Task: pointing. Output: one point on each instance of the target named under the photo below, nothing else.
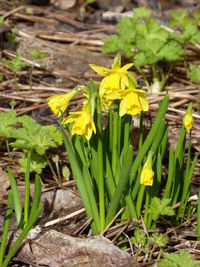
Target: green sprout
(36, 54)
(15, 65)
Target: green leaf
(16, 64)
(142, 12)
(159, 239)
(194, 73)
(178, 18)
(37, 164)
(16, 198)
(182, 259)
(37, 54)
(171, 52)
(160, 207)
(34, 136)
(142, 58)
(111, 44)
(7, 121)
(139, 238)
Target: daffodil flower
(115, 79)
(59, 103)
(188, 119)
(147, 173)
(83, 123)
(132, 101)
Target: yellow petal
(100, 70)
(126, 67)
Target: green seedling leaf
(16, 198)
(182, 259)
(194, 73)
(139, 238)
(160, 207)
(1, 77)
(142, 12)
(16, 64)
(37, 164)
(7, 121)
(178, 18)
(159, 239)
(38, 54)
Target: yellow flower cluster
(116, 84)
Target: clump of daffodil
(115, 79)
(83, 122)
(147, 173)
(132, 101)
(188, 119)
(59, 103)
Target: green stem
(114, 138)
(27, 190)
(100, 167)
(159, 254)
(144, 77)
(51, 168)
(147, 200)
(9, 152)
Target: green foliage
(159, 239)
(11, 36)
(154, 45)
(194, 73)
(32, 136)
(139, 238)
(182, 259)
(189, 26)
(142, 12)
(28, 135)
(7, 121)
(37, 54)
(160, 207)
(16, 64)
(24, 220)
(37, 164)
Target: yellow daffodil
(188, 119)
(83, 123)
(115, 79)
(59, 103)
(132, 101)
(147, 173)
